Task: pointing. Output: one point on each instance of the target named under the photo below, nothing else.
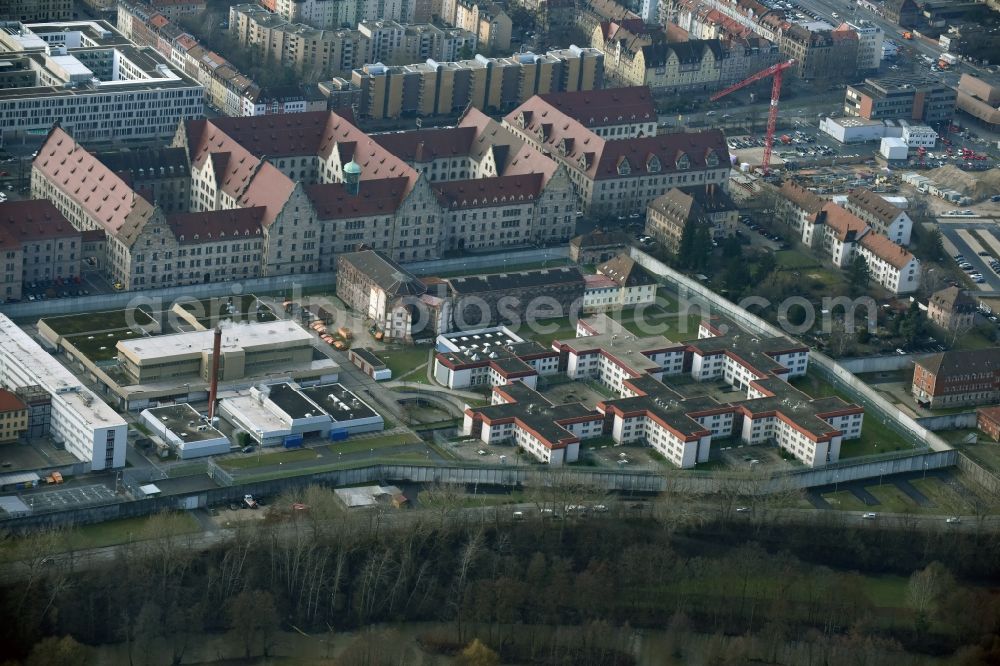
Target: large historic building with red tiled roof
(618, 176)
(37, 244)
(270, 196)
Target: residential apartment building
(870, 37)
(797, 208)
(78, 419)
(486, 20)
(668, 216)
(905, 97)
(883, 217)
(36, 11)
(394, 43)
(889, 264)
(620, 176)
(92, 81)
(283, 99)
(821, 55)
(174, 9)
(957, 378)
(433, 88)
(13, 417)
(634, 286)
(37, 244)
(952, 308)
(840, 234)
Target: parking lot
(69, 498)
(976, 249)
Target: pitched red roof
(846, 226)
(883, 248)
(375, 197)
(610, 106)
(429, 144)
(192, 228)
(483, 192)
(10, 402)
(32, 220)
(102, 194)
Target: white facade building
(81, 421)
(919, 136)
(892, 148)
(94, 82)
(870, 38)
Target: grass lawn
(986, 453)
(844, 500)
(942, 495)
(886, 591)
(101, 346)
(192, 469)
(792, 259)
(973, 340)
(252, 460)
(892, 499)
(98, 321)
(876, 436)
(366, 443)
(403, 359)
(135, 529)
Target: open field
(793, 259)
(403, 359)
(98, 321)
(251, 460)
(844, 500)
(101, 346)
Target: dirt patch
(978, 185)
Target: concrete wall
(616, 480)
(875, 405)
(948, 421)
(986, 479)
(286, 283)
(877, 363)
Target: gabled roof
(885, 249)
(873, 204)
(687, 53)
(801, 197)
(953, 299)
(626, 272)
(961, 363)
(846, 226)
(333, 201)
(102, 194)
(205, 226)
(427, 145)
(32, 220)
(609, 106)
(384, 272)
(485, 192)
(599, 238)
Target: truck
(947, 60)
(907, 35)
(249, 502)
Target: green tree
(765, 266)
(858, 275)
(736, 278)
(52, 651)
(930, 245)
(701, 246)
(466, 52)
(912, 324)
(478, 654)
(253, 619)
(732, 248)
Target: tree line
(570, 591)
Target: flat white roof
(235, 336)
(71, 65)
(50, 374)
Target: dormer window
(624, 168)
(653, 164)
(712, 159)
(683, 161)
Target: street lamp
(925, 469)
(836, 482)
(880, 473)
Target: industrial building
(186, 431)
(80, 421)
(284, 414)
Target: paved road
(213, 536)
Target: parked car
(953, 520)
(870, 515)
